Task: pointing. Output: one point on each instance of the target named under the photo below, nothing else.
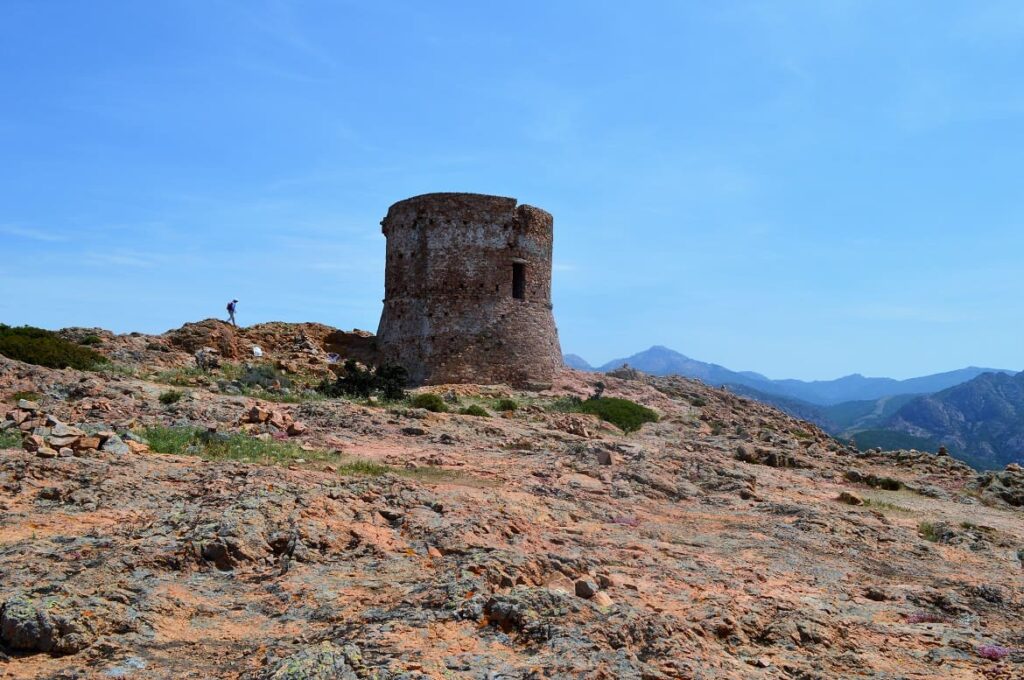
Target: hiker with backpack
(231, 312)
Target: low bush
(219, 446)
(45, 348)
(475, 410)
(885, 505)
(186, 375)
(191, 441)
(623, 413)
(506, 405)
(387, 380)
(429, 401)
(391, 381)
(363, 468)
(929, 531)
(565, 405)
(265, 376)
(171, 397)
(628, 416)
(28, 396)
(91, 340)
(10, 439)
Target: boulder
(52, 626)
(115, 445)
(88, 442)
(325, 661)
(586, 588)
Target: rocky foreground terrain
(727, 540)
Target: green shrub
(623, 413)
(388, 380)
(46, 348)
(391, 381)
(475, 410)
(91, 340)
(430, 401)
(363, 468)
(231, 370)
(565, 405)
(265, 376)
(186, 375)
(191, 441)
(928, 531)
(218, 446)
(10, 439)
(506, 405)
(699, 402)
(171, 397)
(28, 396)
(885, 505)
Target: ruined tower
(467, 291)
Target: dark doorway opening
(519, 281)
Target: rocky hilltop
(294, 536)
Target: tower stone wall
(467, 291)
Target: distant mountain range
(977, 413)
(659, 360)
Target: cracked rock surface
(714, 543)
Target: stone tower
(467, 291)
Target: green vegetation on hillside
(475, 410)
(386, 380)
(627, 415)
(10, 439)
(171, 397)
(46, 348)
(429, 401)
(190, 441)
(864, 414)
(506, 405)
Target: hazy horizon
(802, 191)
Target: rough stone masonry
(467, 291)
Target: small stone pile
(273, 421)
(47, 437)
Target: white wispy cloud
(122, 259)
(31, 234)
(908, 313)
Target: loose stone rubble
(47, 437)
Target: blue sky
(806, 189)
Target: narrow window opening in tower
(519, 280)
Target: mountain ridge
(983, 418)
(661, 360)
